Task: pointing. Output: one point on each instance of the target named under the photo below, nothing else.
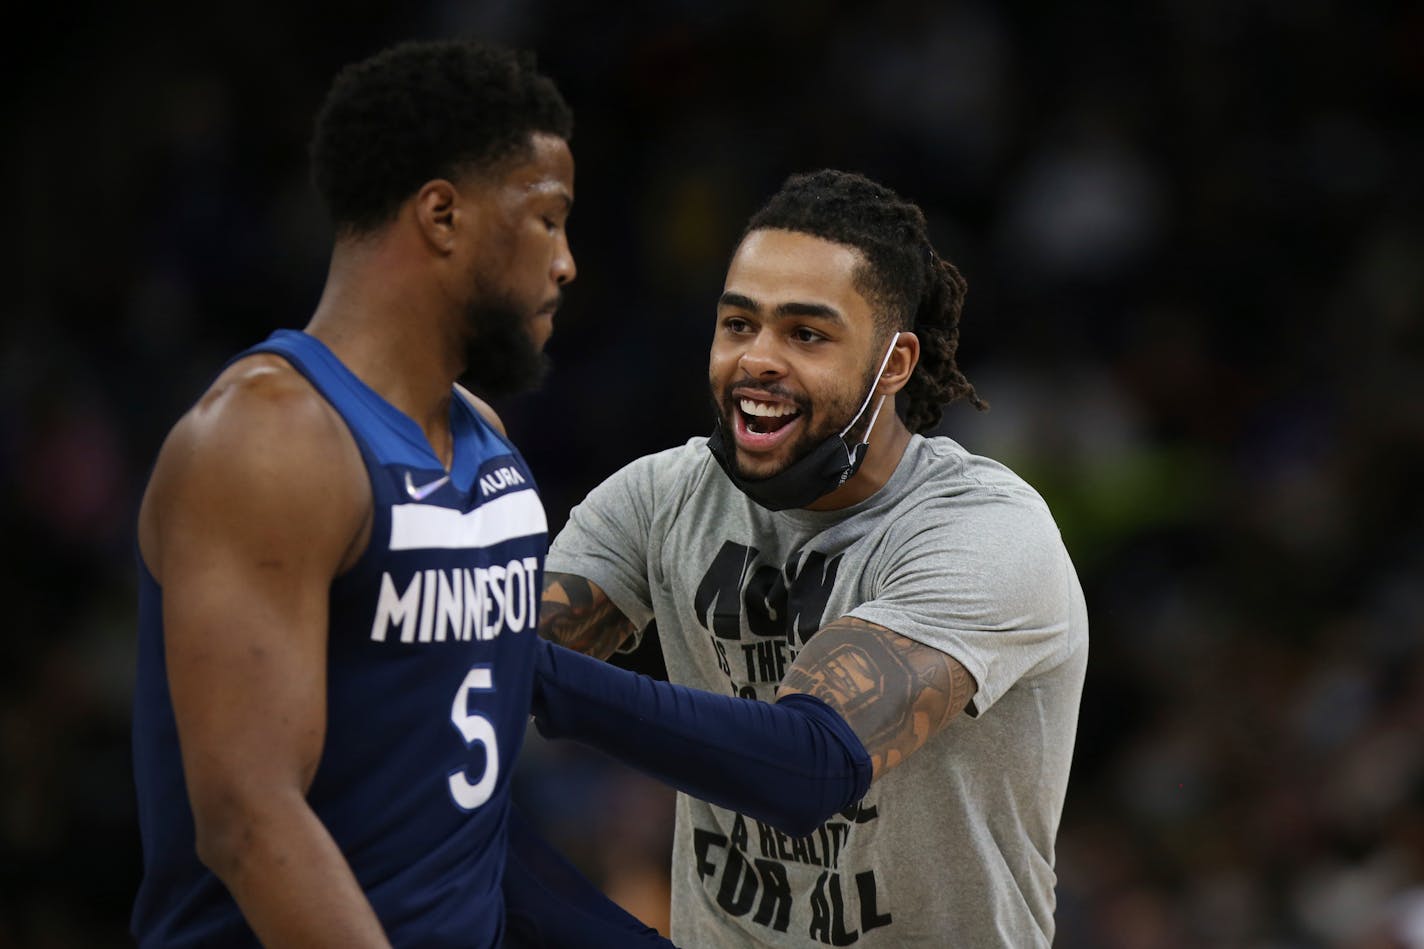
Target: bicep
(894, 692)
(249, 541)
(245, 648)
(575, 612)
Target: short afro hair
(910, 286)
(420, 111)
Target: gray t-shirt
(954, 847)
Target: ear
(437, 213)
(903, 360)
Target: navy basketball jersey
(428, 687)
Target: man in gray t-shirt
(815, 545)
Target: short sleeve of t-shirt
(988, 583)
(609, 538)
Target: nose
(762, 358)
(562, 268)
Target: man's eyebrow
(790, 309)
(818, 310)
(558, 192)
(740, 302)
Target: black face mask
(819, 472)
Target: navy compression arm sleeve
(792, 764)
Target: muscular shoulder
(257, 396)
(260, 414)
(260, 444)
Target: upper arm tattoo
(574, 612)
(893, 692)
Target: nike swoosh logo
(425, 490)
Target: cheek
(722, 363)
(533, 253)
(843, 397)
(529, 250)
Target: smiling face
(517, 266)
(795, 351)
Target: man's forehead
(547, 168)
(772, 265)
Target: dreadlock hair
(420, 111)
(909, 285)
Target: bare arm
(255, 504)
(576, 614)
(894, 693)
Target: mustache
(746, 387)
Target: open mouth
(763, 418)
(763, 424)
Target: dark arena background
(1194, 243)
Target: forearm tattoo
(893, 692)
(575, 613)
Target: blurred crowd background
(1194, 241)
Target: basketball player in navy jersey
(341, 552)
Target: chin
(541, 328)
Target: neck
(386, 321)
(888, 441)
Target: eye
(804, 334)
(551, 224)
(736, 324)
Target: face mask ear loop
(883, 363)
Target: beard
(501, 358)
(834, 415)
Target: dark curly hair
(420, 111)
(910, 286)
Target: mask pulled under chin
(826, 467)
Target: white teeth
(766, 410)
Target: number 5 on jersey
(474, 728)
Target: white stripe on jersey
(427, 527)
